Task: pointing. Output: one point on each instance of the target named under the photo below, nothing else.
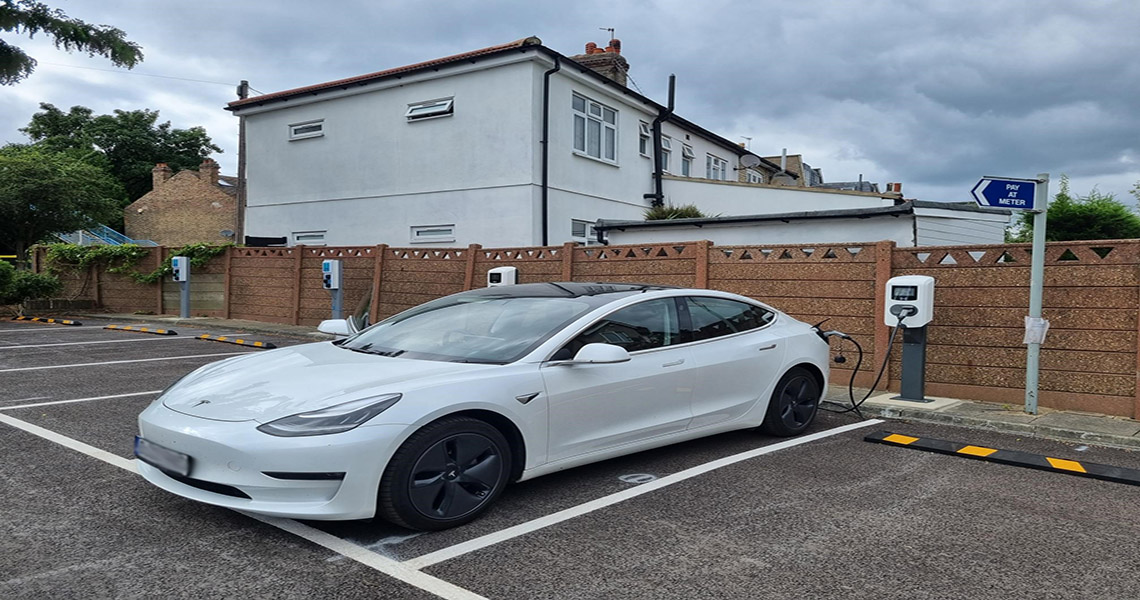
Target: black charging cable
(855, 404)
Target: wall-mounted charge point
(912, 295)
(502, 276)
(330, 274)
(910, 305)
(181, 267)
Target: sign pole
(1036, 288)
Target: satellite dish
(226, 233)
(783, 179)
(750, 160)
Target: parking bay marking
(54, 402)
(172, 339)
(119, 362)
(503, 535)
(368, 558)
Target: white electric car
(422, 419)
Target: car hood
(278, 383)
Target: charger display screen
(905, 293)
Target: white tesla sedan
(423, 418)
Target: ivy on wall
(123, 259)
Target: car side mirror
(601, 354)
(338, 327)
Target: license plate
(162, 458)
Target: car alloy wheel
(445, 474)
(794, 403)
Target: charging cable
(902, 312)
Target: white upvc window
(309, 238)
(643, 139)
(755, 176)
(666, 152)
(441, 107)
(307, 129)
(716, 167)
(583, 231)
(595, 129)
(687, 160)
(431, 234)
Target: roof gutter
(658, 195)
(546, 148)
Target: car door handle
(768, 347)
(674, 363)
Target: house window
(666, 152)
(583, 231)
(428, 234)
(755, 176)
(716, 167)
(309, 238)
(687, 160)
(308, 129)
(595, 129)
(444, 107)
(643, 140)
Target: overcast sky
(933, 94)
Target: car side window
(715, 317)
(643, 326)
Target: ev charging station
(910, 306)
(181, 267)
(502, 276)
(331, 281)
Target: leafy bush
(7, 272)
(668, 211)
(19, 286)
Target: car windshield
(470, 329)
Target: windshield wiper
(366, 349)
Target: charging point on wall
(331, 281)
(180, 265)
(502, 276)
(910, 306)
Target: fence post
(377, 275)
(568, 261)
(702, 265)
(884, 252)
(97, 291)
(159, 254)
(298, 255)
(469, 272)
(226, 283)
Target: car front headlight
(334, 419)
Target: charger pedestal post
(330, 280)
(181, 267)
(910, 306)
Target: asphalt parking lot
(739, 515)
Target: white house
(508, 145)
(910, 223)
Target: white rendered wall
(900, 229)
(953, 228)
(737, 199)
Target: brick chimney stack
(160, 173)
(208, 171)
(607, 61)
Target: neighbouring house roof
(897, 210)
(526, 44)
(858, 186)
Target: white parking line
(43, 328)
(152, 392)
(161, 339)
(368, 558)
(119, 362)
(490, 539)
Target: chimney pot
(591, 47)
(615, 45)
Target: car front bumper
(229, 461)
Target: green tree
(1095, 216)
(44, 192)
(29, 18)
(131, 142)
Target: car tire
(444, 475)
(794, 404)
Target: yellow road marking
(977, 451)
(1067, 465)
(900, 439)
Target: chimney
(160, 173)
(208, 171)
(607, 61)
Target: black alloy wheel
(793, 405)
(445, 474)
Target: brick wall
(1092, 298)
(185, 209)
